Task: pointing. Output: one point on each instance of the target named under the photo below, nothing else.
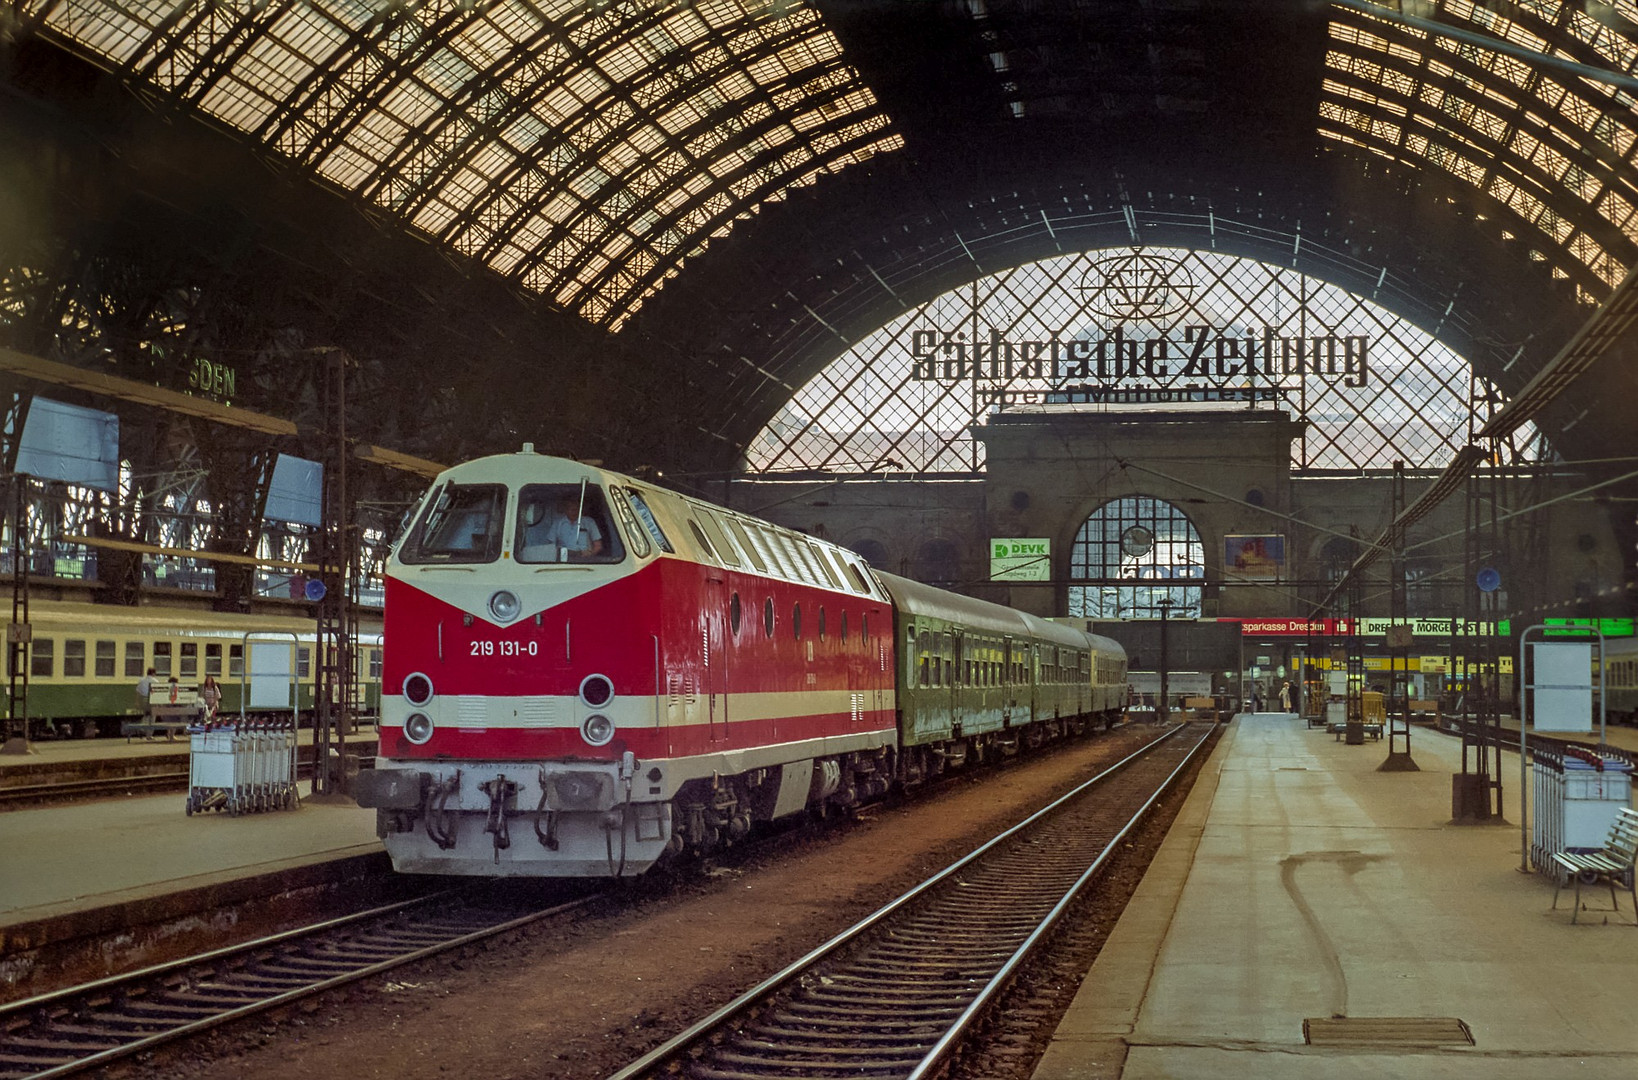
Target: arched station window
(1131, 553)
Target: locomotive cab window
(565, 523)
(645, 517)
(461, 524)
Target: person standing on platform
(144, 687)
(1285, 696)
(211, 695)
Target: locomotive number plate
(505, 648)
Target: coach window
(733, 613)
(213, 660)
(190, 660)
(42, 659)
(304, 661)
(796, 621)
(236, 661)
(106, 657)
(375, 664)
(74, 659)
(162, 659)
(462, 524)
(767, 617)
(136, 659)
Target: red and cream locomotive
(584, 673)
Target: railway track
(66, 1032)
(891, 997)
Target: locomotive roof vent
(528, 448)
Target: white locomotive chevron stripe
(479, 712)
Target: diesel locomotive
(585, 674)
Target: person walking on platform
(1285, 696)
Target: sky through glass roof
(1386, 390)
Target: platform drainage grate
(1386, 1031)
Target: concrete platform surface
(93, 854)
(1300, 882)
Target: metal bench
(1612, 864)
(149, 728)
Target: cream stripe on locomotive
(489, 712)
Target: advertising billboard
(1254, 558)
(1021, 559)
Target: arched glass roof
(1553, 147)
(583, 150)
(874, 408)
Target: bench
(1339, 730)
(149, 728)
(1612, 864)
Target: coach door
(714, 659)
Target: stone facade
(1229, 472)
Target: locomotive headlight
(418, 728)
(597, 730)
(505, 606)
(418, 689)
(596, 691)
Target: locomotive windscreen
(462, 524)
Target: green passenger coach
(84, 660)
(976, 678)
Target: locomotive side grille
(471, 711)
(537, 712)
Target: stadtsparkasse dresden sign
(1193, 351)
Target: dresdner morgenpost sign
(1021, 559)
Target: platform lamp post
(1162, 709)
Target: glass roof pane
(1543, 121)
(398, 147)
(1407, 398)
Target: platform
(1299, 882)
(113, 851)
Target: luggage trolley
(248, 765)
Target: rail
(893, 996)
(84, 1027)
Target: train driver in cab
(569, 534)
